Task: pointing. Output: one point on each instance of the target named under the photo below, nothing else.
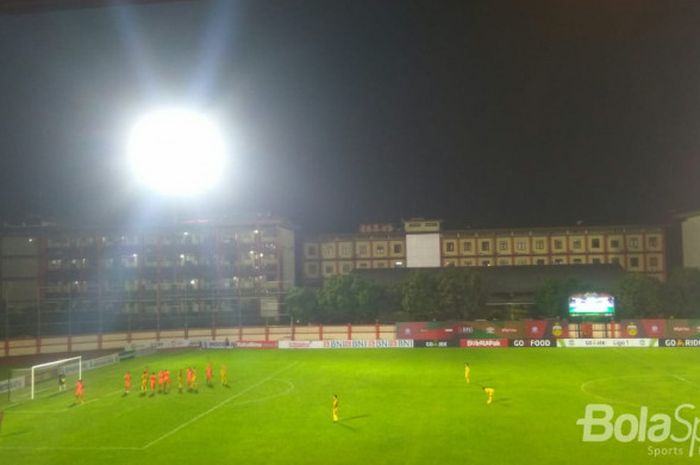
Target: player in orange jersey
(127, 382)
(153, 383)
(209, 372)
(79, 391)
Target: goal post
(60, 366)
(43, 378)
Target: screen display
(592, 304)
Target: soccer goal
(45, 379)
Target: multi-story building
(376, 246)
(423, 243)
(197, 267)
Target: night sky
(484, 114)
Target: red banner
(489, 343)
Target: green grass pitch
(396, 406)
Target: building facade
(423, 243)
(192, 268)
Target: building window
(595, 261)
(558, 244)
(362, 249)
(634, 262)
(540, 261)
(362, 265)
(576, 260)
(653, 242)
(653, 262)
(328, 269)
(486, 262)
(558, 261)
(595, 243)
(520, 245)
(345, 250)
(450, 246)
(311, 251)
(539, 245)
(614, 244)
(311, 269)
(503, 262)
(398, 249)
(347, 267)
(467, 246)
(634, 242)
(576, 244)
(502, 245)
(615, 260)
(485, 246)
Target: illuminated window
(520, 245)
(502, 245)
(595, 243)
(467, 246)
(539, 244)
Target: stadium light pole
(178, 153)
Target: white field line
(686, 380)
(217, 406)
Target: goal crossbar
(79, 359)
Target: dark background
(490, 114)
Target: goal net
(47, 379)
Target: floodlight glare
(177, 152)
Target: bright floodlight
(177, 152)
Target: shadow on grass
(348, 427)
(356, 417)
(15, 433)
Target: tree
(638, 295)
(302, 304)
(552, 299)
(681, 293)
(461, 294)
(349, 299)
(420, 296)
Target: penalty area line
(217, 406)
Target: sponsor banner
(215, 345)
(12, 384)
(492, 329)
(483, 343)
(428, 330)
(434, 344)
(300, 344)
(683, 329)
(643, 328)
(370, 344)
(532, 343)
(546, 329)
(347, 344)
(101, 362)
(679, 342)
(605, 343)
(255, 344)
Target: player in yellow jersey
(467, 373)
(336, 408)
(144, 382)
(489, 391)
(223, 375)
